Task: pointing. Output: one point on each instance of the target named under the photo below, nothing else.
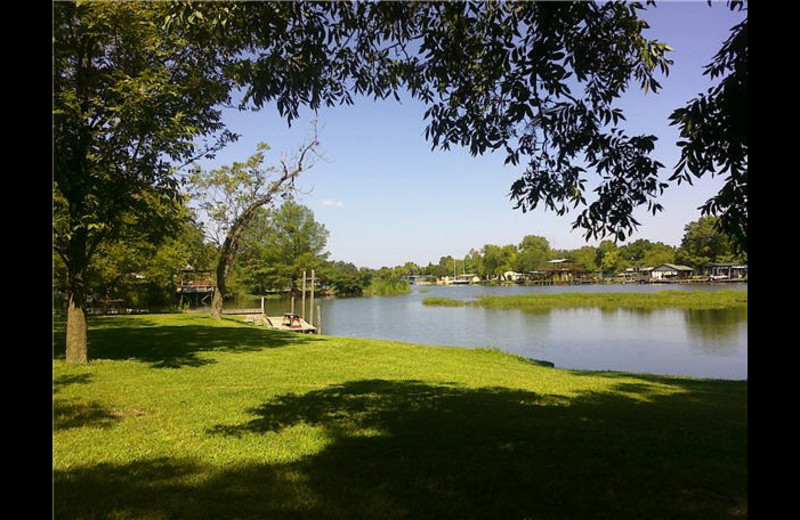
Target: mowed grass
(183, 416)
(661, 300)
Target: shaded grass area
(291, 426)
(171, 341)
(695, 300)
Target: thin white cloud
(332, 203)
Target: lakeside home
(563, 271)
(512, 276)
(671, 271)
(722, 271)
(558, 271)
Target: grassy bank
(659, 300)
(182, 416)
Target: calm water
(706, 344)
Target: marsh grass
(390, 287)
(694, 300)
(183, 416)
(443, 301)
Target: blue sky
(387, 198)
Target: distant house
(417, 278)
(637, 274)
(670, 271)
(512, 276)
(560, 270)
(722, 271)
(195, 284)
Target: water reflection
(716, 330)
(696, 343)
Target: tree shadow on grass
(66, 380)
(407, 449)
(67, 415)
(174, 346)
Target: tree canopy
(138, 90)
(537, 81)
(128, 106)
(280, 244)
(714, 135)
(232, 196)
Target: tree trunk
(216, 303)
(226, 256)
(222, 274)
(77, 350)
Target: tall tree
(643, 253)
(282, 243)
(230, 197)
(129, 103)
(345, 278)
(704, 242)
(713, 130)
(498, 259)
(533, 252)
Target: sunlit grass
(183, 416)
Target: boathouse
(560, 270)
(671, 272)
(194, 284)
(512, 276)
(725, 271)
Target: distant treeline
(701, 244)
(285, 242)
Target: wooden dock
(287, 322)
(291, 325)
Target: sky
(386, 198)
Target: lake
(695, 343)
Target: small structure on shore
(195, 285)
(671, 272)
(725, 271)
(290, 321)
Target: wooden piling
(319, 319)
(303, 301)
(311, 302)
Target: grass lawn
(183, 416)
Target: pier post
(303, 301)
(319, 320)
(311, 302)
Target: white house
(666, 271)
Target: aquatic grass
(387, 287)
(660, 300)
(183, 416)
(443, 301)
